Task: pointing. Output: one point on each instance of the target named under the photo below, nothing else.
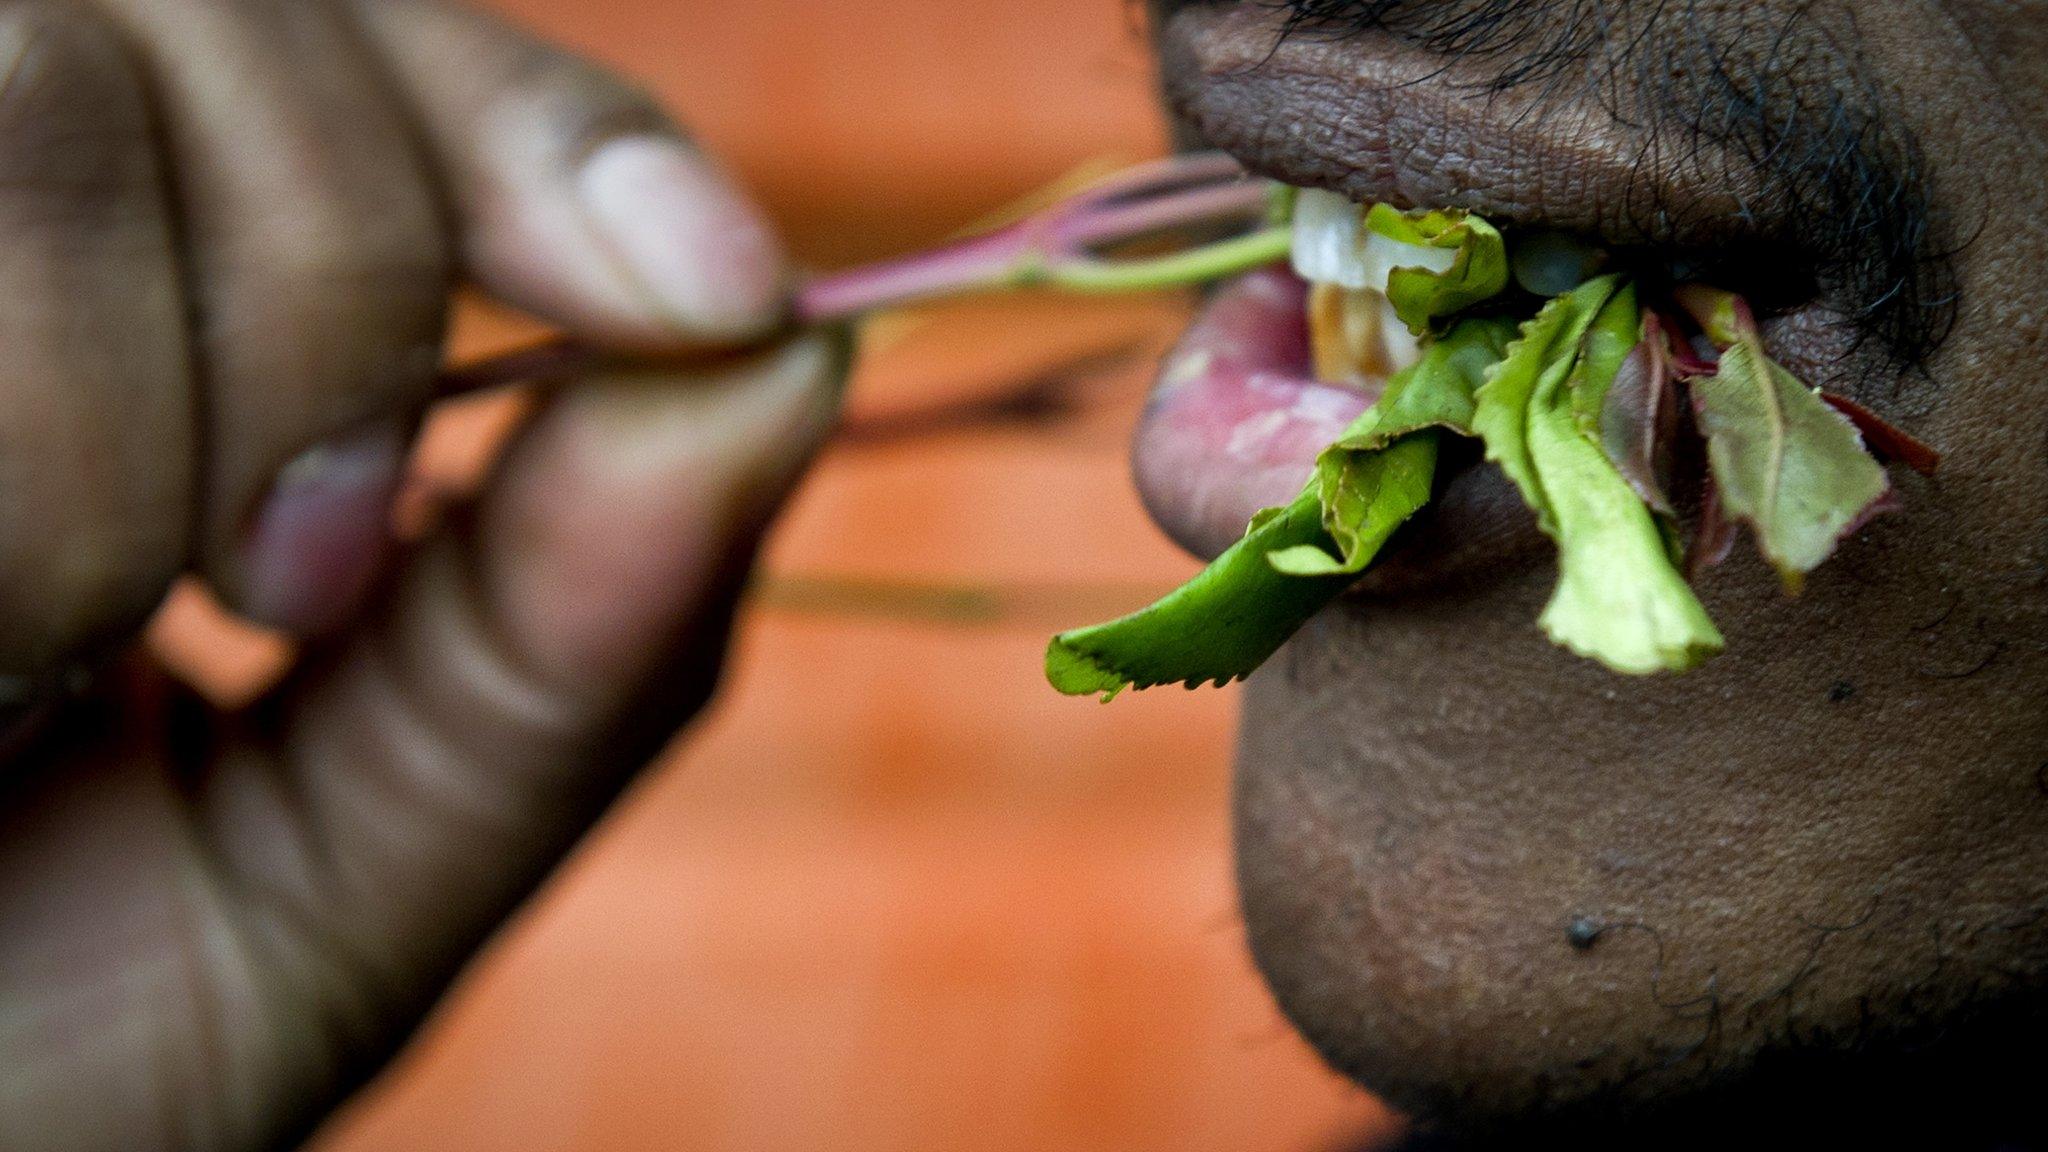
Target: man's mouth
(1247, 400)
(1239, 415)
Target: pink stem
(1162, 175)
(966, 264)
(1111, 223)
(1065, 231)
(1191, 191)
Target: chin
(1524, 900)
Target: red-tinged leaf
(1783, 461)
(1639, 417)
(1715, 536)
(1685, 361)
(1885, 438)
(1882, 506)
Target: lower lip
(1237, 420)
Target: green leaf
(1723, 316)
(1438, 390)
(1363, 497)
(1379, 473)
(1616, 331)
(1548, 346)
(1217, 627)
(1619, 599)
(1478, 272)
(1783, 461)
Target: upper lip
(1379, 120)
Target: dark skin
(1517, 894)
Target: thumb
(529, 661)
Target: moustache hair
(1780, 90)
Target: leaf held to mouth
(1546, 346)
(1616, 331)
(1723, 316)
(1379, 473)
(1619, 599)
(1478, 271)
(1578, 406)
(1217, 627)
(1783, 460)
(1238, 611)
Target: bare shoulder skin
(1503, 887)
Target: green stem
(1180, 270)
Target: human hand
(230, 228)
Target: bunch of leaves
(1577, 405)
(1477, 273)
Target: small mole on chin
(1583, 932)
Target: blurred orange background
(895, 893)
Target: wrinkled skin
(1503, 887)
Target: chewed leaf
(1714, 538)
(1216, 628)
(1379, 473)
(1422, 295)
(1294, 560)
(1438, 391)
(1783, 461)
(1618, 599)
(1365, 495)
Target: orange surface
(897, 894)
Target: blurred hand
(228, 229)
